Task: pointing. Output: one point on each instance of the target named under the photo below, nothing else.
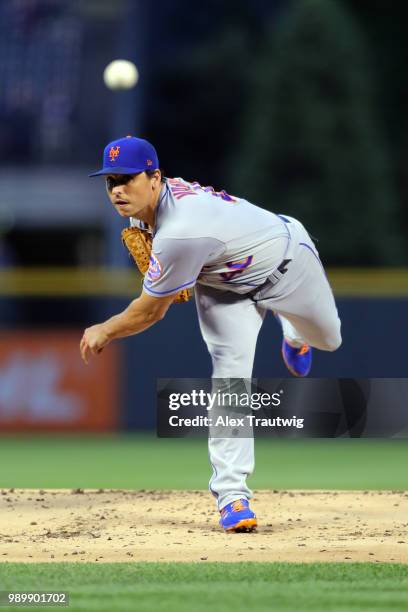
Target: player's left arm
(141, 314)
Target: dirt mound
(111, 525)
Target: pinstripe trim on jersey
(169, 290)
(310, 249)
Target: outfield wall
(373, 346)
(43, 314)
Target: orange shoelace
(237, 506)
(303, 349)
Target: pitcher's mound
(110, 525)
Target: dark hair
(151, 172)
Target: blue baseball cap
(128, 155)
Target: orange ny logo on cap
(114, 152)
(149, 162)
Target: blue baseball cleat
(298, 360)
(237, 517)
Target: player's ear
(156, 178)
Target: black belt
(276, 275)
(272, 280)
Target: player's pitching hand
(93, 341)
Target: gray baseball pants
(230, 324)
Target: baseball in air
(120, 74)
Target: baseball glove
(139, 244)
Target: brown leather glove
(139, 244)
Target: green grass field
(217, 586)
(145, 462)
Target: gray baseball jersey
(217, 241)
(211, 238)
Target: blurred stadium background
(298, 105)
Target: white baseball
(120, 74)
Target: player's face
(132, 194)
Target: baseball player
(244, 262)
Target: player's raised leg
(304, 304)
(230, 324)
